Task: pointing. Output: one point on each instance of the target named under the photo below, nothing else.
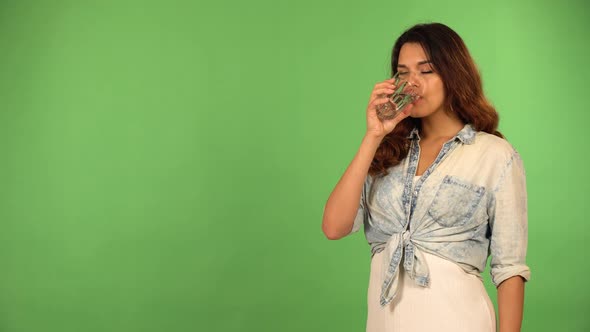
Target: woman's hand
(375, 127)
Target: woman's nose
(414, 79)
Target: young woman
(440, 189)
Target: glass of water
(405, 93)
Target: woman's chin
(419, 111)
(415, 113)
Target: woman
(440, 189)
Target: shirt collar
(465, 135)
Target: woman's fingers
(378, 101)
(382, 90)
(390, 124)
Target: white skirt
(455, 301)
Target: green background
(165, 164)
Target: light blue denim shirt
(470, 203)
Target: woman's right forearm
(343, 203)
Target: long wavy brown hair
(462, 84)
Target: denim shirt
(470, 203)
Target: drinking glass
(405, 93)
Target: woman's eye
(406, 73)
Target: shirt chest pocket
(456, 202)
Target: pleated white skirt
(455, 301)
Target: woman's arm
(510, 304)
(508, 243)
(343, 203)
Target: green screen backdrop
(165, 164)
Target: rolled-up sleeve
(509, 224)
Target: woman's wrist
(369, 146)
(372, 139)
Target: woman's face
(415, 67)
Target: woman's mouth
(417, 99)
